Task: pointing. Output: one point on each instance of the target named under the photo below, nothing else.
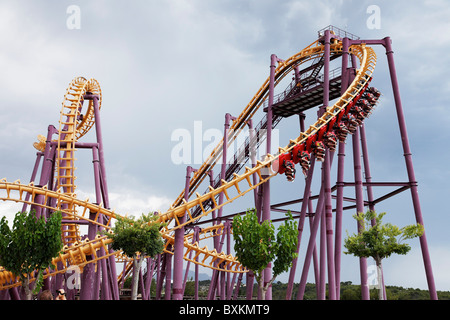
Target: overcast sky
(175, 65)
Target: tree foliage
(30, 246)
(378, 240)
(137, 235)
(137, 238)
(256, 245)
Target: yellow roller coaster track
(367, 58)
(72, 126)
(76, 253)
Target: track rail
(242, 184)
(73, 126)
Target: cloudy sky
(179, 66)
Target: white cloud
(131, 202)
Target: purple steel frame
(329, 261)
(92, 286)
(329, 256)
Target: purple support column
(88, 275)
(186, 273)
(329, 228)
(168, 276)
(150, 268)
(215, 275)
(266, 191)
(311, 244)
(162, 262)
(97, 281)
(33, 176)
(47, 167)
(360, 208)
(96, 161)
(314, 252)
(177, 291)
(98, 131)
(211, 183)
(112, 274)
(106, 288)
(340, 177)
(301, 223)
(368, 178)
(252, 155)
(326, 176)
(228, 118)
(249, 281)
(409, 167)
(228, 280)
(322, 284)
(196, 239)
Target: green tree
(30, 246)
(137, 238)
(378, 240)
(256, 245)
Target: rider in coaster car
(305, 161)
(330, 140)
(290, 170)
(319, 150)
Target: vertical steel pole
(340, 177)
(161, 275)
(360, 208)
(98, 132)
(327, 176)
(168, 286)
(368, 178)
(314, 252)
(301, 223)
(177, 291)
(196, 238)
(114, 294)
(409, 167)
(215, 275)
(87, 279)
(266, 191)
(322, 248)
(311, 245)
(224, 160)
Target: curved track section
(73, 125)
(242, 184)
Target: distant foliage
(30, 246)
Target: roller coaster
(313, 85)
